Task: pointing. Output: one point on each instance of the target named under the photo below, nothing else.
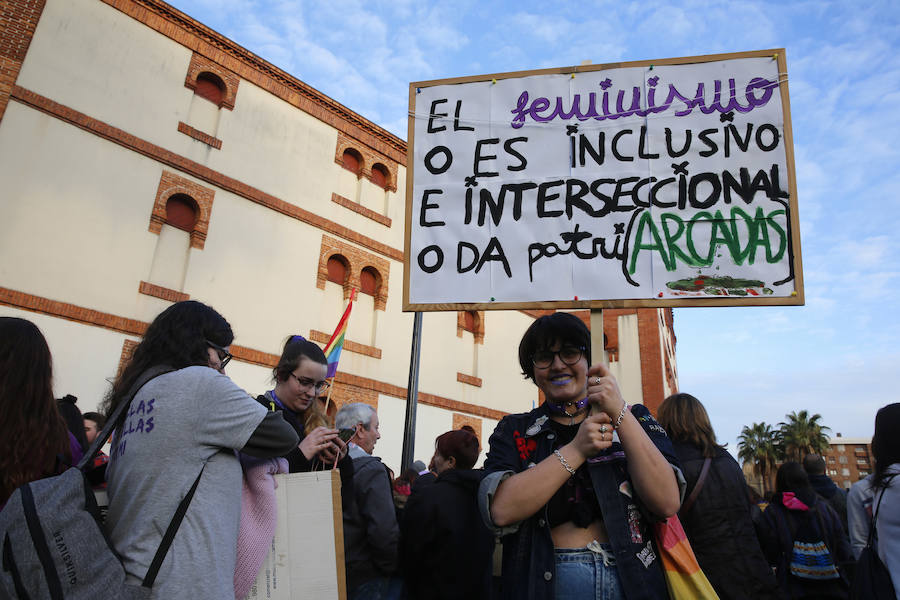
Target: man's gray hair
(351, 414)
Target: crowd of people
(563, 507)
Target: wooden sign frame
(793, 240)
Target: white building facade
(146, 159)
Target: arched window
(182, 212)
(352, 160)
(368, 281)
(211, 87)
(337, 269)
(380, 175)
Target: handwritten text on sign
(623, 183)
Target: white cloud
(867, 253)
(547, 28)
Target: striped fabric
(336, 343)
(812, 560)
(684, 577)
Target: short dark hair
(96, 417)
(545, 331)
(813, 464)
(296, 348)
(459, 444)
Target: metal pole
(412, 393)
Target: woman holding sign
(572, 484)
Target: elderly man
(371, 533)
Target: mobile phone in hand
(346, 434)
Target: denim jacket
(523, 440)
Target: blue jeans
(587, 573)
(380, 588)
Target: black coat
(446, 550)
(720, 529)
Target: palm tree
(759, 445)
(803, 434)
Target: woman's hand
(652, 476)
(320, 440)
(334, 452)
(603, 391)
(593, 436)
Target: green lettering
(674, 250)
(645, 220)
(699, 261)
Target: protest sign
(655, 183)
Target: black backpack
(811, 558)
(872, 580)
(53, 541)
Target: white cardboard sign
(641, 184)
(307, 555)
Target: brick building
(146, 159)
(848, 460)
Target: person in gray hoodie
(371, 533)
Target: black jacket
(445, 548)
(720, 529)
(777, 539)
(298, 463)
(836, 497)
(371, 533)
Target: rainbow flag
(336, 343)
(684, 578)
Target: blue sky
(837, 355)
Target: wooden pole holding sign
(598, 341)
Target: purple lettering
(585, 107)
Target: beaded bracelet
(564, 462)
(621, 415)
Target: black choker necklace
(561, 407)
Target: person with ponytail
(299, 379)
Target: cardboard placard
(654, 183)
(307, 555)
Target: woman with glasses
(573, 485)
(186, 419)
(299, 381)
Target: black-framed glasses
(568, 354)
(306, 382)
(224, 355)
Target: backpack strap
(873, 533)
(823, 529)
(117, 415)
(169, 536)
(704, 470)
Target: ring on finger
(598, 381)
(603, 428)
